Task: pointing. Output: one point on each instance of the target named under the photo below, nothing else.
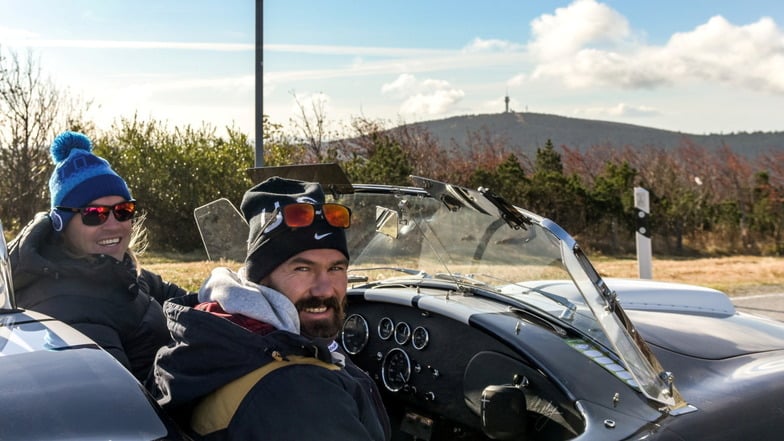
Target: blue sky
(698, 66)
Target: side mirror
(503, 412)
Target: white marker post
(643, 235)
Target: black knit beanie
(271, 242)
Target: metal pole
(259, 115)
(643, 235)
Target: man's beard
(322, 328)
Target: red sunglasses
(93, 215)
(302, 215)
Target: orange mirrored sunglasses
(300, 215)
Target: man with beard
(254, 355)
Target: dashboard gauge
(402, 333)
(395, 369)
(420, 338)
(355, 334)
(386, 328)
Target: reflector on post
(643, 234)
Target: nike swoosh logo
(320, 236)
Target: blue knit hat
(79, 177)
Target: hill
(525, 132)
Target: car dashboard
(432, 368)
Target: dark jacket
(276, 384)
(105, 299)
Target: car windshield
(466, 239)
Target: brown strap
(215, 411)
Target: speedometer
(355, 334)
(395, 369)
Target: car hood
(650, 295)
(694, 321)
(708, 336)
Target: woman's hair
(139, 239)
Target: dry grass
(736, 275)
(188, 274)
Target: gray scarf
(237, 295)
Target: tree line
(701, 201)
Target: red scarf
(248, 323)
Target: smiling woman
(76, 263)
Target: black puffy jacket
(249, 386)
(108, 300)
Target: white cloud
(128, 44)
(315, 49)
(517, 80)
(383, 61)
(570, 29)
(268, 86)
(438, 102)
(403, 85)
(492, 45)
(751, 55)
(22, 38)
(174, 99)
(587, 44)
(10, 34)
(426, 97)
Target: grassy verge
(737, 275)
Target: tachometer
(355, 334)
(395, 369)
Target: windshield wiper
(460, 278)
(570, 309)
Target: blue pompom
(66, 142)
